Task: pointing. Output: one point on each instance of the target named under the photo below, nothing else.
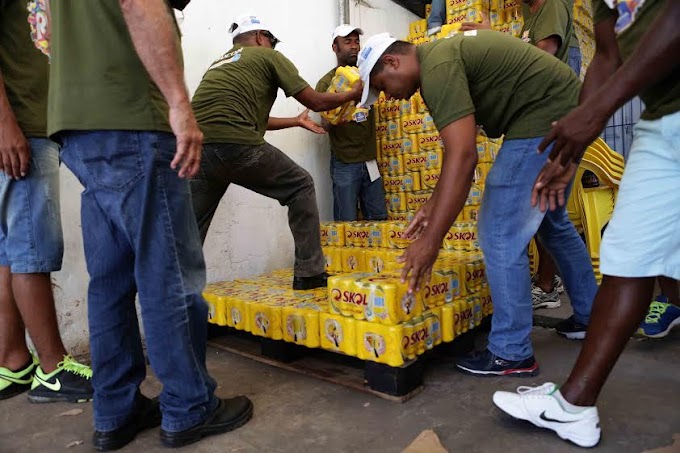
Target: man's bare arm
(14, 150)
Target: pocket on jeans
(113, 159)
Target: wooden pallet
(398, 384)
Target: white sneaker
(541, 406)
(434, 30)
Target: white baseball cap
(345, 30)
(368, 57)
(247, 22)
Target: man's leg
(14, 354)
(635, 249)
(372, 197)
(544, 290)
(437, 15)
(559, 236)
(506, 225)
(115, 343)
(268, 171)
(208, 188)
(347, 182)
(669, 289)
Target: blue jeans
(575, 60)
(352, 184)
(507, 222)
(31, 239)
(437, 16)
(141, 238)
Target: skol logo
(457, 4)
(432, 177)
(462, 235)
(474, 275)
(457, 18)
(419, 336)
(362, 234)
(380, 128)
(392, 147)
(351, 297)
(435, 290)
(396, 234)
(416, 160)
(418, 199)
(383, 165)
(336, 294)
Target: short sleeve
(286, 75)
(325, 82)
(553, 21)
(446, 92)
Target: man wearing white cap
(353, 150)
(511, 89)
(232, 105)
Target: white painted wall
(249, 234)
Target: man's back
(97, 80)
(512, 87)
(233, 101)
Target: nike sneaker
(70, 382)
(660, 319)
(13, 383)
(486, 363)
(545, 407)
(571, 329)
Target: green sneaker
(70, 382)
(14, 382)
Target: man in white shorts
(638, 43)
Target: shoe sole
(585, 442)
(182, 441)
(56, 398)
(573, 335)
(118, 443)
(520, 372)
(557, 304)
(676, 322)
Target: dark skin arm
(654, 58)
(321, 102)
(549, 44)
(433, 220)
(302, 120)
(14, 151)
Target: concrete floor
(639, 409)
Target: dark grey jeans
(268, 171)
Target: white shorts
(643, 236)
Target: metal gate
(619, 131)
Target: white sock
(566, 405)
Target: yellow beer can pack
(392, 146)
(338, 333)
(400, 216)
(375, 234)
(429, 141)
(393, 235)
(416, 200)
(396, 201)
(301, 323)
(353, 259)
(395, 164)
(415, 162)
(379, 343)
(388, 300)
(333, 257)
(336, 234)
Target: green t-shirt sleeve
(553, 21)
(325, 82)
(446, 92)
(601, 11)
(286, 75)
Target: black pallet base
(397, 384)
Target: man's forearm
(155, 39)
(6, 112)
(654, 58)
(275, 124)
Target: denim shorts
(643, 238)
(31, 238)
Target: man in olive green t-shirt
(512, 89)
(637, 54)
(119, 105)
(353, 149)
(31, 240)
(548, 25)
(232, 106)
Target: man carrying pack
(354, 170)
(232, 106)
(511, 89)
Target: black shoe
(147, 414)
(70, 383)
(13, 383)
(230, 414)
(306, 283)
(485, 363)
(571, 329)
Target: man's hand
(484, 25)
(418, 261)
(303, 120)
(14, 150)
(573, 134)
(189, 140)
(356, 91)
(551, 194)
(420, 220)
